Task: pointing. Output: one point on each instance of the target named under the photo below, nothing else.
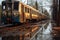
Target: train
(18, 12)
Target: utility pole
(27, 2)
(36, 5)
(31, 3)
(55, 13)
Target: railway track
(5, 25)
(29, 23)
(25, 29)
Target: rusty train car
(17, 12)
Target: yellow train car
(28, 13)
(18, 12)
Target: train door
(22, 15)
(4, 14)
(9, 12)
(30, 14)
(15, 15)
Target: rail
(24, 30)
(39, 31)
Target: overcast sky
(1, 1)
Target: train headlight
(15, 14)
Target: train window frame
(16, 14)
(16, 6)
(4, 7)
(9, 6)
(26, 9)
(32, 11)
(4, 13)
(9, 14)
(22, 6)
(3, 4)
(29, 10)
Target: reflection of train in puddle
(17, 12)
(18, 33)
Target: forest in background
(0, 8)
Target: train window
(32, 11)
(3, 7)
(14, 14)
(16, 5)
(25, 9)
(9, 6)
(28, 10)
(9, 14)
(4, 13)
(22, 8)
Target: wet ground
(51, 33)
(55, 35)
(49, 36)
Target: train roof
(32, 8)
(29, 7)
